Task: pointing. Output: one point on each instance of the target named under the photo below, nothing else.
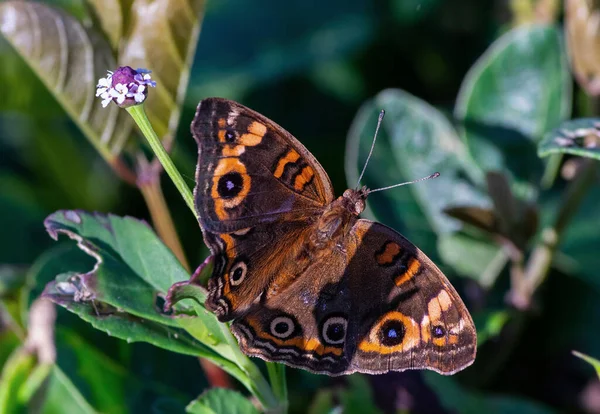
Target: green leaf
(415, 140)
(133, 267)
(69, 58)
(518, 90)
(62, 397)
(472, 257)
(592, 361)
(161, 37)
(118, 296)
(457, 399)
(112, 383)
(221, 401)
(133, 329)
(573, 137)
(14, 375)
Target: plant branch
(539, 263)
(149, 184)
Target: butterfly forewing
(250, 170)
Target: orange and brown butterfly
(305, 281)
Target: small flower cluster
(126, 86)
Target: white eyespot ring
(335, 337)
(282, 327)
(237, 274)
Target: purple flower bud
(126, 86)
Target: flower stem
(139, 115)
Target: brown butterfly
(305, 280)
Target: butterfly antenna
(381, 115)
(434, 175)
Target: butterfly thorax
(338, 218)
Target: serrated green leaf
(133, 329)
(221, 401)
(69, 59)
(118, 296)
(415, 140)
(518, 90)
(592, 361)
(571, 138)
(133, 267)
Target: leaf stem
(139, 115)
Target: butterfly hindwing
(376, 304)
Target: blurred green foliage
(467, 92)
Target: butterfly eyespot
(230, 185)
(334, 330)
(229, 136)
(438, 331)
(392, 333)
(282, 327)
(238, 273)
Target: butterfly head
(354, 200)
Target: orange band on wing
(303, 178)
(255, 134)
(389, 254)
(232, 150)
(291, 157)
(413, 267)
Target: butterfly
(305, 281)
